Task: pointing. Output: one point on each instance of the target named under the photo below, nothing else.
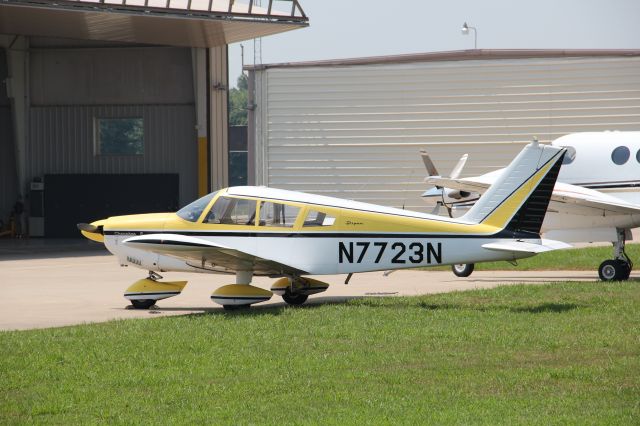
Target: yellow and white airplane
(250, 231)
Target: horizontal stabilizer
(527, 247)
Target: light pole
(465, 31)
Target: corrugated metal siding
(61, 140)
(355, 131)
(104, 76)
(71, 87)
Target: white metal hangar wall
(354, 128)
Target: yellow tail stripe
(501, 216)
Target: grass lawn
(580, 259)
(551, 354)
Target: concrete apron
(40, 293)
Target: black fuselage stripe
(342, 235)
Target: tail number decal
(399, 252)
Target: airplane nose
(90, 228)
(93, 231)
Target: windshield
(192, 212)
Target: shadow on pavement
(49, 248)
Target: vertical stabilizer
(519, 198)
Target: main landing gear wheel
(294, 298)
(619, 268)
(463, 269)
(143, 304)
(614, 270)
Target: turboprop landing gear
(143, 294)
(619, 268)
(463, 269)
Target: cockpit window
(620, 155)
(569, 156)
(315, 218)
(277, 214)
(192, 212)
(232, 211)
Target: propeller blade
(87, 227)
(458, 168)
(436, 209)
(428, 164)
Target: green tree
(238, 103)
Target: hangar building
(354, 128)
(118, 106)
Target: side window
(620, 155)
(232, 211)
(315, 218)
(192, 212)
(276, 214)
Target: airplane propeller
(87, 227)
(439, 190)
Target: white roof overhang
(193, 23)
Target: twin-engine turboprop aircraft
(596, 198)
(250, 231)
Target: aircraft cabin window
(569, 156)
(315, 218)
(192, 212)
(620, 155)
(638, 156)
(232, 211)
(277, 214)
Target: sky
(358, 28)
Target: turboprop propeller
(448, 197)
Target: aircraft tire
(626, 270)
(143, 304)
(294, 298)
(614, 270)
(463, 269)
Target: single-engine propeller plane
(289, 235)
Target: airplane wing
(204, 254)
(467, 185)
(574, 199)
(566, 198)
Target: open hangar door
(8, 191)
(111, 131)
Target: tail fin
(518, 200)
